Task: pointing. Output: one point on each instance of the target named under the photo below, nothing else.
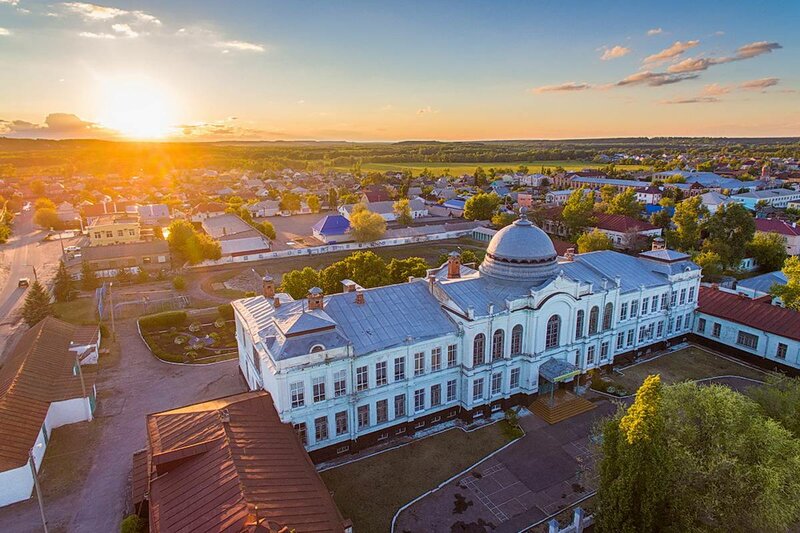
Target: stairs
(565, 405)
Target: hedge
(167, 319)
(225, 311)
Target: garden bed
(197, 342)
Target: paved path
(547, 469)
(128, 389)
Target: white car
(72, 249)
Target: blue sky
(388, 71)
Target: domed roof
(520, 252)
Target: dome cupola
(520, 252)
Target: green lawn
(469, 168)
(370, 491)
(80, 311)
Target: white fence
(579, 522)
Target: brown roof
(105, 208)
(562, 246)
(771, 225)
(211, 475)
(758, 313)
(86, 335)
(38, 371)
(622, 223)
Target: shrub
(249, 294)
(219, 322)
(131, 524)
(191, 355)
(167, 319)
(194, 327)
(179, 283)
(225, 311)
(180, 339)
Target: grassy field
(370, 491)
(80, 311)
(456, 169)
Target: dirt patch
(68, 458)
(461, 504)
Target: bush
(131, 524)
(167, 319)
(219, 322)
(179, 283)
(225, 311)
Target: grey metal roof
(608, 264)
(478, 292)
(665, 255)
(764, 282)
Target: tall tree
(46, 218)
(297, 282)
(366, 226)
(577, 213)
(333, 198)
(480, 177)
(501, 219)
(481, 206)
(593, 241)
(312, 200)
(687, 219)
(402, 211)
(729, 231)
(63, 285)
(625, 203)
(769, 250)
(37, 304)
(331, 277)
(290, 202)
(790, 293)
(399, 270)
(190, 245)
(89, 281)
(710, 263)
(367, 269)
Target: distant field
(469, 168)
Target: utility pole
(35, 277)
(83, 386)
(61, 240)
(111, 300)
(38, 488)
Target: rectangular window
(663, 301)
(673, 299)
(256, 360)
(782, 350)
(436, 359)
(120, 233)
(623, 311)
(477, 389)
(302, 432)
(451, 390)
(419, 400)
(748, 340)
(590, 355)
(452, 354)
(321, 428)
(654, 304)
(382, 411)
(645, 305)
(362, 378)
(634, 308)
(515, 373)
(620, 340)
(678, 323)
(339, 383)
(604, 351)
(687, 320)
(701, 325)
(297, 394)
(642, 333)
(363, 416)
(400, 369)
(381, 377)
(691, 294)
(319, 389)
(341, 422)
(660, 330)
(630, 338)
(497, 383)
(436, 395)
(399, 405)
(419, 363)
(715, 330)
(682, 299)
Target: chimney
(225, 416)
(470, 312)
(315, 296)
(348, 285)
(276, 302)
(360, 297)
(268, 286)
(569, 255)
(659, 244)
(410, 279)
(454, 265)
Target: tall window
(664, 301)
(452, 352)
(321, 428)
(604, 351)
(478, 347)
(515, 373)
(634, 308)
(607, 316)
(340, 383)
(451, 390)
(419, 363)
(400, 368)
(594, 319)
(552, 332)
(691, 294)
(399, 405)
(716, 329)
(682, 299)
(701, 325)
(362, 379)
(419, 400)
(623, 311)
(363, 416)
(579, 318)
(590, 355)
(477, 389)
(319, 389)
(645, 306)
(256, 360)
(436, 359)
(381, 377)
(497, 383)
(516, 340)
(782, 350)
(297, 394)
(620, 340)
(497, 344)
(436, 395)
(381, 411)
(341, 422)
(302, 432)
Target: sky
(383, 71)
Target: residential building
(67, 213)
(715, 200)
(206, 210)
(264, 208)
(598, 182)
(773, 197)
(92, 211)
(106, 261)
(625, 232)
(789, 231)
(154, 215)
(114, 229)
(558, 197)
(229, 464)
(759, 286)
(649, 195)
(462, 343)
(332, 229)
(240, 242)
(386, 209)
(43, 385)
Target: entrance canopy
(557, 370)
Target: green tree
(44, 203)
(593, 241)
(769, 250)
(179, 283)
(687, 219)
(710, 263)
(480, 177)
(779, 399)
(729, 231)
(790, 293)
(367, 269)
(266, 228)
(661, 219)
(481, 206)
(89, 281)
(37, 304)
(333, 198)
(688, 457)
(625, 203)
(63, 285)
(399, 270)
(577, 213)
(298, 282)
(366, 226)
(290, 202)
(46, 218)
(501, 219)
(312, 200)
(607, 194)
(190, 245)
(331, 277)
(402, 210)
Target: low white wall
(67, 412)
(15, 485)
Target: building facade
(363, 366)
(114, 229)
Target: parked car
(72, 249)
(24, 282)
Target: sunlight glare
(136, 107)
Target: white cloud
(756, 49)
(427, 110)
(614, 52)
(4, 31)
(125, 30)
(654, 31)
(677, 49)
(693, 100)
(10, 2)
(95, 12)
(570, 86)
(654, 79)
(93, 35)
(691, 64)
(241, 46)
(715, 89)
(759, 85)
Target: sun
(137, 108)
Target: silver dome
(520, 252)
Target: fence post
(552, 526)
(577, 519)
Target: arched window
(516, 340)
(607, 315)
(579, 318)
(594, 317)
(498, 340)
(478, 347)
(552, 332)
(317, 348)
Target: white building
(359, 367)
(386, 209)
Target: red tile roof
(771, 225)
(37, 371)
(211, 475)
(758, 313)
(210, 207)
(106, 208)
(622, 223)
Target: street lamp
(36, 484)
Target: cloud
(4, 32)
(10, 2)
(715, 89)
(654, 31)
(748, 51)
(693, 100)
(678, 48)
(224, 129)
(241, 46)
(759, 85)
(125, 30)
(427, 110)
(719, 33)
(654, 79)
(95, 12)
(55, 126)
(615, 52)
(93, 35)
(569, 86)
(690, 64)
(756, 49)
